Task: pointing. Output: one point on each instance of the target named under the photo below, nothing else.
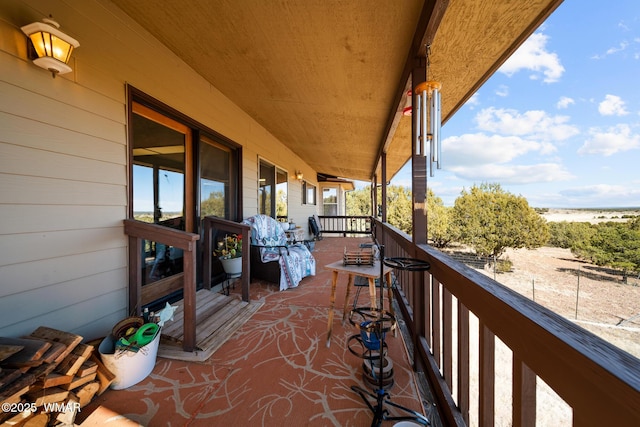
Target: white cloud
(481, 149)
(564, 102)
(514, 174)
(593, 195)
(613, 140)
(474, 100)
(503, 90)
(612, 106)
(532, 55)
(622, 46)
(534, 123)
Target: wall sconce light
(52, 47)
(299, 176)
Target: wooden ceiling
(328, 77)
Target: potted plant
(229, 252)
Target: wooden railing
(345, 225)
(139, 231)
(212, 223)
(598, 381)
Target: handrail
(345, 224)
(600, 382)
(139, 231)
(214, 223)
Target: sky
(559, 122)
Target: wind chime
(427, 120)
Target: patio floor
(275, 370)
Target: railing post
(524, 394)
(206, 255)
(486, 375)
(246, 264)
(135, 276)
(189, 296)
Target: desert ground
(593, 297)
(596, 298)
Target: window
(330, 201)
(180, 172)
(158, 147)
(272, 191)
(308, 194)
(215, 179)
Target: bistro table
(371, 272)
(294, 236)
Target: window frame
(306, 188)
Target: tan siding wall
(63, 162)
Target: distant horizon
(534, 207)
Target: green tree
(570, 235)
(214, 205)
(491, 220)
(615, 245)
(399, 208)
(281, 203)
(358, 202)
(439, 227)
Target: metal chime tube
(425, 121)
(434, 128)
(438, 124)
(428, 122)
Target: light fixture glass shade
(52, 46)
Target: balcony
(453, 314)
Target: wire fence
(580, 292)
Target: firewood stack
(47, 377)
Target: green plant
(229, 247)
(504, 265)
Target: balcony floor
(275, 370)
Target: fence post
(578, 292)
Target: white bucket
(129, 367)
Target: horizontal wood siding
(63, 162)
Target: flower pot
(232, 266)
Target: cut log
(78, 381)
(16, 419)
(105, 376)
(88, 367)
(7, 350)
(8, 376)
(86, 393)
(23, 383)
(38, 420)
(16, 396)
(56, 349)
(53, 379)
(48, 395)
(73, 362)
(30, 355)
(68, 416)
(66, 338)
